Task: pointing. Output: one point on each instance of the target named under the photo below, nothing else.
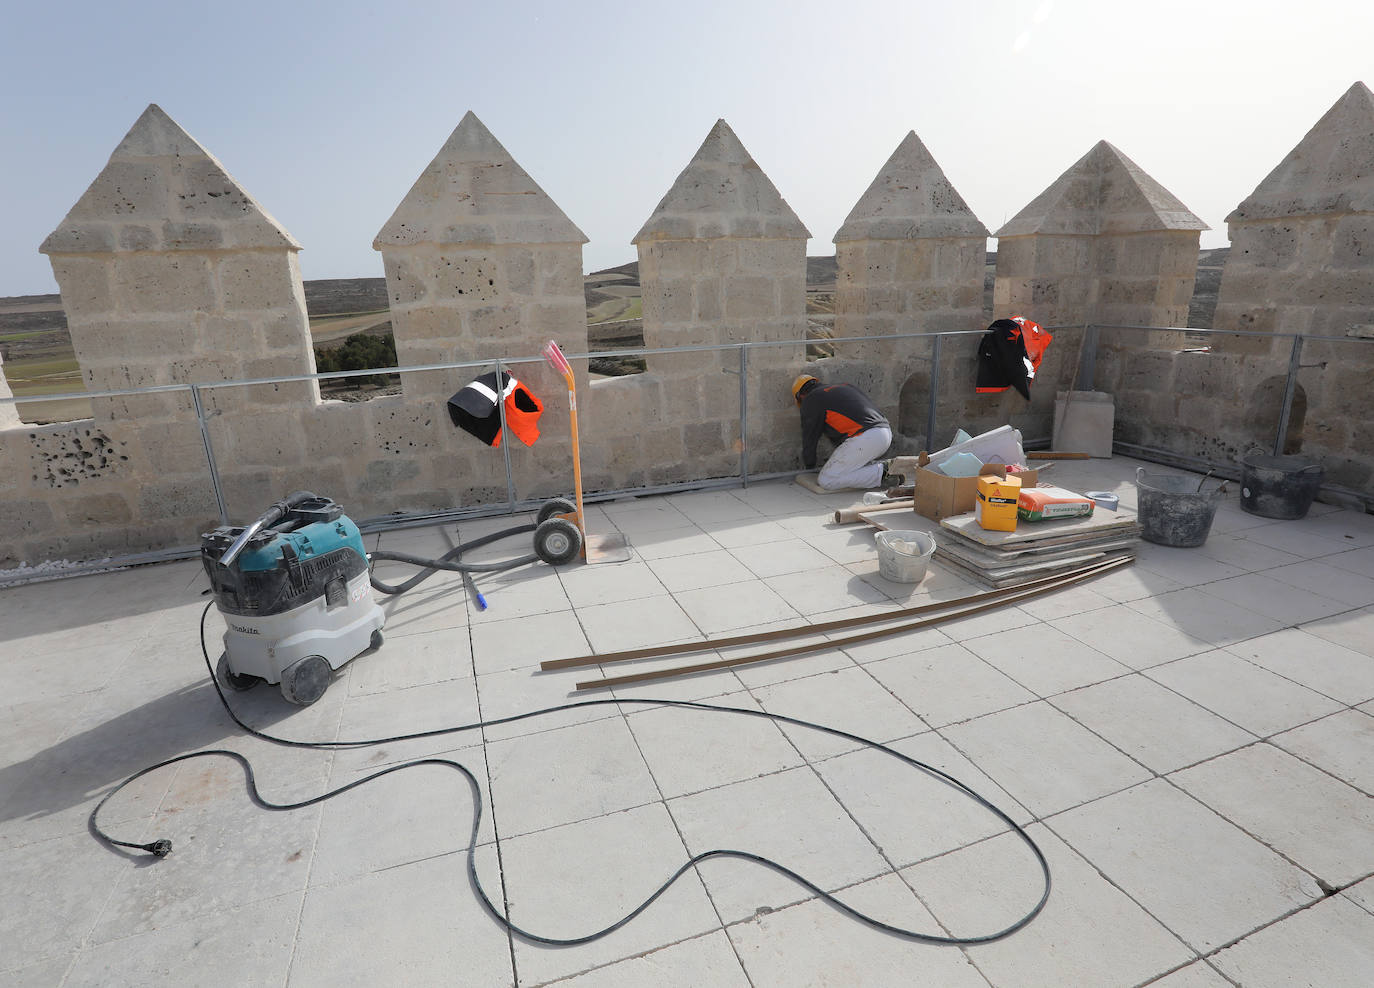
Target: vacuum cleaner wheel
(305, 680)
(233, 680)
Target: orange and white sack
(1049, 503)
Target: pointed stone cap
(910, 199)
(162, 191)
(473, 192)
(722, 193)
(1328, 172)
(1104, 192)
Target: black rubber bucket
(1173, 510)
(1278, 486)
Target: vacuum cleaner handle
(271, 516)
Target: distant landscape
(351, 329)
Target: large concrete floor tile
(911, 814)
(813, 944)
(789, 817)
(521, 691)
(947, 684)
(702, 960)
(636, 624)
(609, 583)
(701, 686)
(1055, 606)
(1199, 615)
(1236, 550)
(574, 880)
(255, 942)
(1354, 529)
(667, 543)
(1242, 692)
(988, 623)
(844, 545)
(1298, 540)
(849, 700)
(1354, 630)
(690, 750)
(1131, 583)
(782, 498)
(1199, 875)
(1342, 744)
(799, 665)
(534, 589)
(886, 646)
(1185, 567)
(568, 774)
(699, 570)
(790, 555)
(1195, 975)
(751, 535)
(413, 660)
(1320, 577)
(524, 642)
(1322, 824)
(740, 606)
(1359, 561)
(1283, 602)
(1338, 672)
(423, 610)
(829, 588)
(409, 711)
(1331, 944)
(1046, 760)
(639, 516)
(1089, 933)
(711, 508)
(1362, 894)
(417, 924)
(1155, 726)
(1045, 660)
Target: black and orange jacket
(837, 410)
(474, 410)
(1009, 354)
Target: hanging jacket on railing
(474, 410)
(1009, 355)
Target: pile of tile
(1035, 549)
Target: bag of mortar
(1050, 503)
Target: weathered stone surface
(910, 198)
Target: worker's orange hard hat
(802, 381)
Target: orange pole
(555, 357)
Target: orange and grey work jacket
(840, 411)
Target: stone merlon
(162, 191)
(475, 194)
(910, 199)
(1330, 171)
(1103, 192)
(722, 193)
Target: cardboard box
(938, 496)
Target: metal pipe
(744, 415)
(934, 393)
(1290, 387)
(505, 437)
(209, 454)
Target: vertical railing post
(505, 438)
(934, 393)
(744, 415)
(209, 454)
(1289, 389)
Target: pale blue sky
(327, 112)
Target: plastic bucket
(1278, 486)
(904, 556)
(1172, 510)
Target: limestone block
(749, 297)
(260, 280)
(135, 237)
(517, 270)
(170, 283)
(559, 319)
(172, 448)
(672, 301)
(168, 500)
(469, 277)
(130, 189)
(1352, 242)
(407, 277)
(95, 510)
(261, 440)
(381, 476)
(558, 270)
(85, 282)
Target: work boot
(890, 479)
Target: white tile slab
(990, 622)
(1354, 630)
(607, 583)
(1089, 933)
(947, 684)
(844, 545)
(786, 556)
(1322, 824)
(1155, 726)
(704, 960)
(1298, 540)
(523, 691)
(712, 508)
(1320, 577)
(1283, 602)
(701, 569)
(1196, 873)
(1130, 637)
(1236, 550)
(789, 817)
(690, 750)
(1200, 615)
(668, 542)
(1185, 566)
(1358, 561)
(1243, 693)
(412, 660)
(1195, 975)
(1342, 744)
(1316, 663)
(812, 944)
(1351, 528)
(524, 642)
(1362, 894)
(1045, 660)
(1331, 944)
(829, 588)
(752, 535)
(636, 624)
(849, 700)
(739, 606)
(1046, 760)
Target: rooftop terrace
(1189, 739)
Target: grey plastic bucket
(1278, 486)
(1172, 510)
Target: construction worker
(853, 424)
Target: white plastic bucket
(904, 556)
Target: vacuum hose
(271, 516)
(449, 561)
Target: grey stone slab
(702, 960)
(1046, 760)
(830, 588)
(565, 775)
(636, 624)
(1196, 613)
(42, 975)
(1322, 824)
(608, 583)
(1243, 693)
(947, 684)
(814, 944)
(255, 942)
(1130, 637)
(573, 880)
(522, 691)
(1184, 566)
(1321, 577)
(792, 555)
(737, 607)
(1195, 975)
(692, 750)
(699, 570)
(1199, 875)
(413, 660)
(1089, 933)
(1342, 744)
(412, 710)
(1045, 660)
(790, 817)
(910, 814)
(1320, 665)
(1362, 894)
(1157, 727)
(1298, 541)
(1236, 550)
(669, 542)
(1281, 601)
(1331, 944)
(417, 924)
(1353, 630)
(524, 642)
(1360, 561)
(849, 700)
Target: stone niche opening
(1266, 405)
(913, 407)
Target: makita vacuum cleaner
(294, 589)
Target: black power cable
(163, 846)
